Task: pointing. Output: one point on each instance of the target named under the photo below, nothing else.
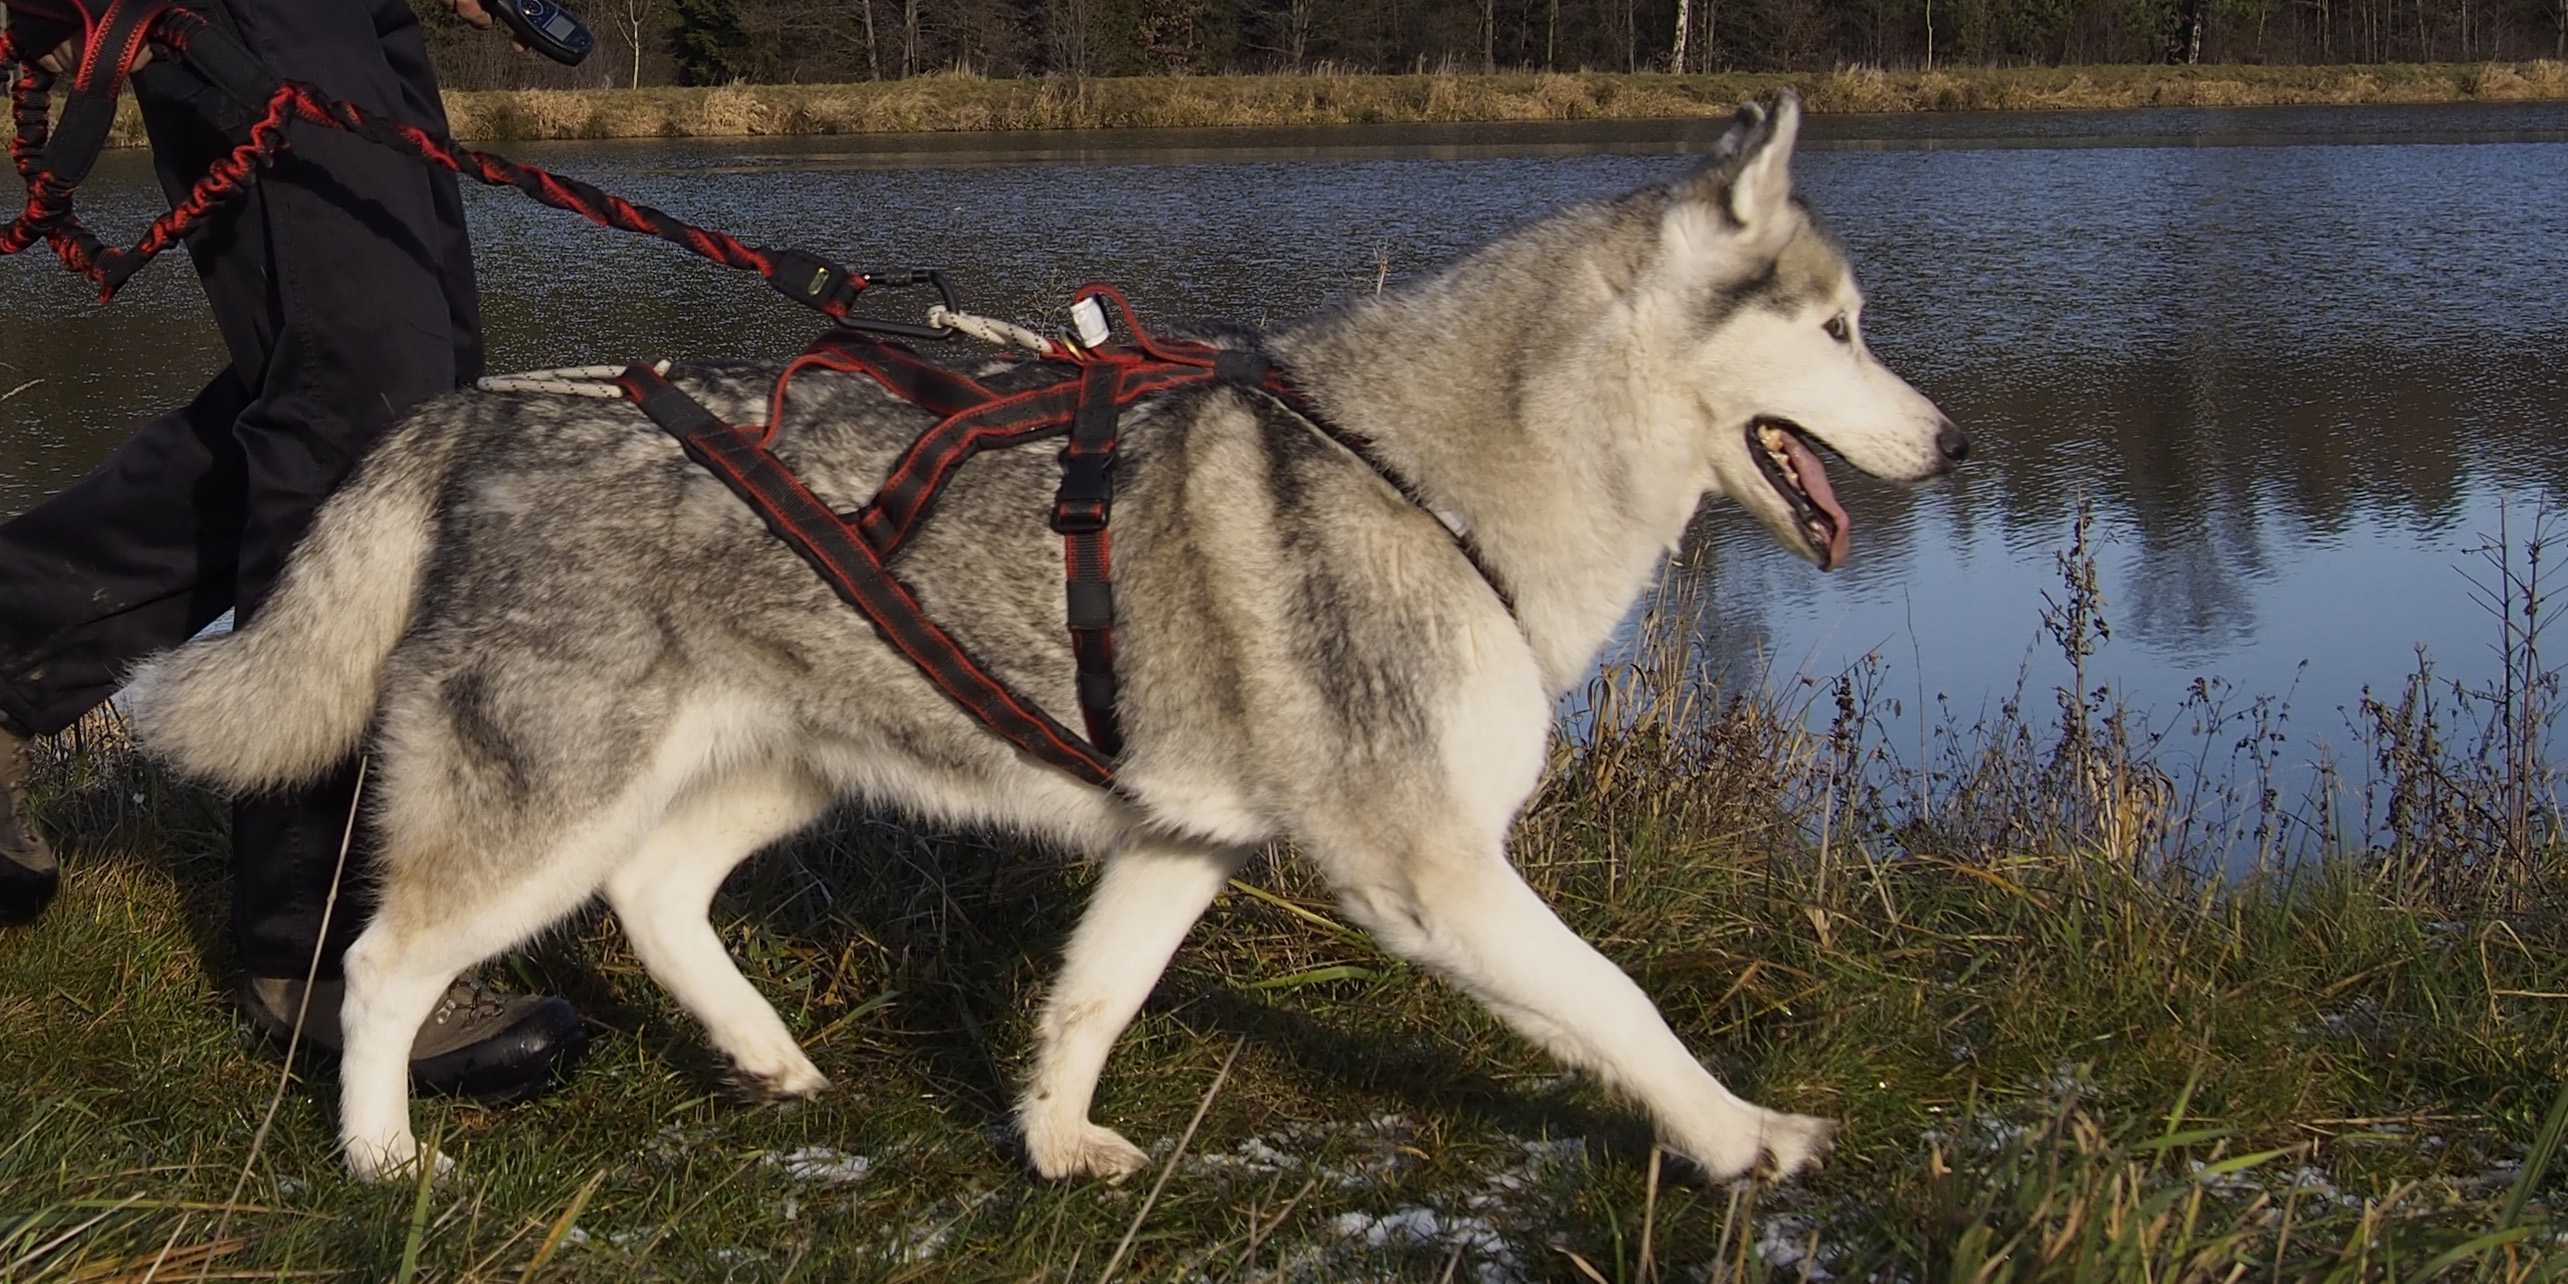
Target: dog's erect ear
(1749, 177)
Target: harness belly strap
(1079, 514)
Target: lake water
(2301, 361)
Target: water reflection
(2298, 358)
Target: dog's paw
(1082, 1149)
(1795, 1143)
(396, 1160)
(794, 1080)
(1761, 1143)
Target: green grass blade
(561, 1227)
(1316, 976)
(2463, 1252)
(2536, 1166)
(418, 1235)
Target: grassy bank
(949, 103)
(2062, 1049)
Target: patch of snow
(824, 1165)
(1473, 1228)
(1507, 1184)
(1784, 1241)
(1415, 1227)
(924, 1243)
(1989, 1135)
(1380, 1151)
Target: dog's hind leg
(662, 896)
(429, 925)
(1145, 901)
(1460, 909)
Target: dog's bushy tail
(289, 696)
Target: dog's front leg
(1144, 902)
(664, 892)
(1462, 910)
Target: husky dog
(582, 666)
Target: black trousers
(343, 287)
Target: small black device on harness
(1092, 380)
(547, 28)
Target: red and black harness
(1078, 393)
(1087, 391)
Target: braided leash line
(601, 208)
(595, 382)
(49, 216)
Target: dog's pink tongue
(1814, 482)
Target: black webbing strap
(213, 47)
(1274, 383)
(815, 282)
(1080, 511)
(900, 370)
(832, 547)
(910, 489)
(89, 109)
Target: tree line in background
(699, 42)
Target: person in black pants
(344, 290)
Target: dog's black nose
(1952, 443)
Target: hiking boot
(478, 1043)
(28, 872)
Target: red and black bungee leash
(112, 35)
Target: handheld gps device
(547, 28)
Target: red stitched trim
(845, 363)
(944, 461)
(970, 435)
(941, 464)
(82, 77)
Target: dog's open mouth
(1783, 454)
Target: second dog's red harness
(853, 551)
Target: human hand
(67, 56)
(472, 12)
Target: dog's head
(1773, 370)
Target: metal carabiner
(901, 281)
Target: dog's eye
(1837, 328)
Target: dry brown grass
(964, 101)
(949, 103)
